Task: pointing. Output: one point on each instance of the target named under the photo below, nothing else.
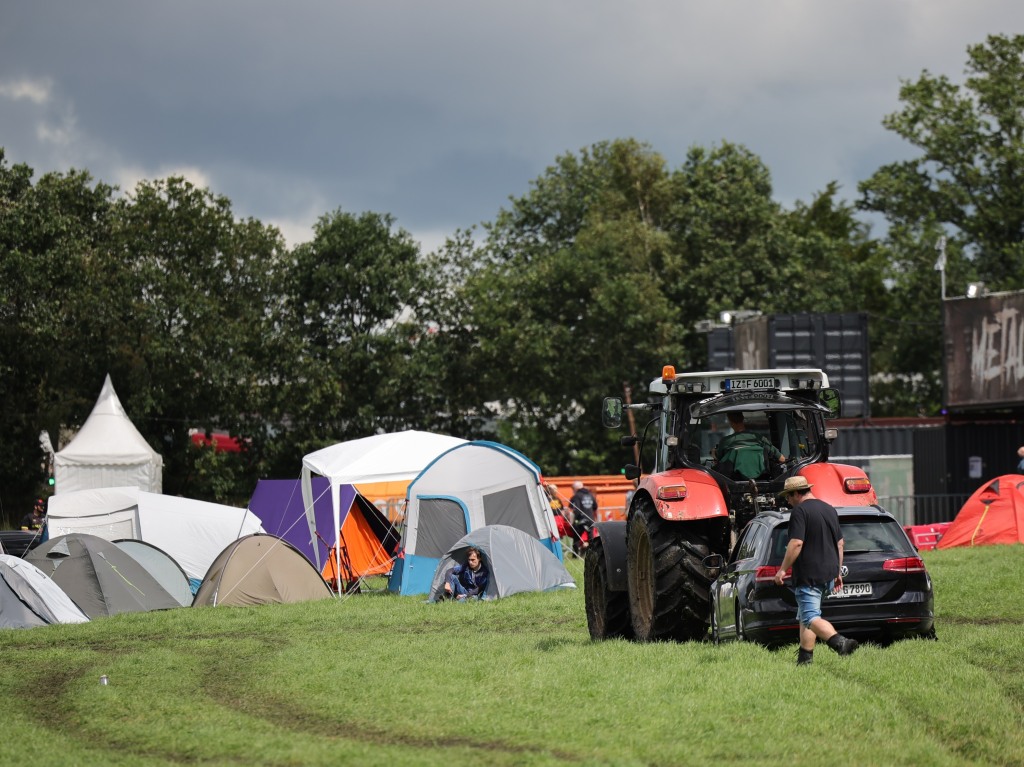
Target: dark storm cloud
(437, 112)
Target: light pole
(940, 263)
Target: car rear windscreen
(860, 535)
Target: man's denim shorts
(808, 602)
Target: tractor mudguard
(613, 541)
(840, 484)
(685, 495)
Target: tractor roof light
(668, 374)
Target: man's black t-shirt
(816, 523)
(584, 504)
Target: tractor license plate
(852, 590)
(739, 384)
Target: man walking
(815, 552)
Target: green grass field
(376, 679)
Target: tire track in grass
(234, 690)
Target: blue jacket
(474, 583)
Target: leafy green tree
(194, 341)
(566, 305)
(53, 305)
(347, 327)
(833, 264)
(725, 230)
(969, 176)
(966, 186)
(445, 359)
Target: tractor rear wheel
(669, 591)
(607, 610)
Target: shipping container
(836, 343)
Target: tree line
(514, 330)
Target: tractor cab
(748, 429)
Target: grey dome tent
(29, 599)
(161, 566)
(99, 577)
(516, 560)
(260, 569)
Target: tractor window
(796, 435)
(708, 432)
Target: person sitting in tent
(469, 580)
(34, 521)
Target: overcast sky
(438, 111)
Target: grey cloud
(438, 112)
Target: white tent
(108, 451)
(470, 486)
(398, 456)
(193, 533)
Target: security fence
(923, 509)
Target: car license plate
(852, 590)
(735, 384)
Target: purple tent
(278, 503)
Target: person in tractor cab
(744, 453)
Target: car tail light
(857, 485)
(672, 493)
(905, 565)
(766, 573)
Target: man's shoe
(804, 657)
(843, 645)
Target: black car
(19, 542)
(886, 594)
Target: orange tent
(367, 545)
(993, 514)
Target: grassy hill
(376, 679)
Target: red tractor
(723, 446)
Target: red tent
(993, 514)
